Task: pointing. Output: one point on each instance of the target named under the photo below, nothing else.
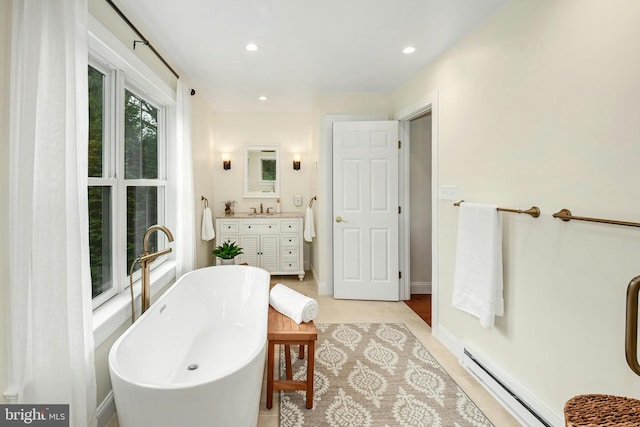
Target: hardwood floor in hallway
(421, 305)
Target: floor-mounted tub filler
(197, 356)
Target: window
(127, 177)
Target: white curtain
(50, 320)
(185, 239)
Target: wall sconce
(226, 161)
(296, 162)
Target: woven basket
(590, 410)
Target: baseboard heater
(515, 403)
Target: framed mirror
(261, 172)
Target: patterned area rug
(375, 374)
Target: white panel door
(365, 210)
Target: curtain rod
(144, 39)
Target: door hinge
(399, 145)
(399, 209)
(399, 274)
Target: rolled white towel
(293, 304)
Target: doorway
(420, 194)
(420, 224)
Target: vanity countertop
(264, 215)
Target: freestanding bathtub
(197, 356)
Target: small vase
(231, 261)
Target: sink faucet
(261, 211)
(254, 211)
(146, 258)
(270, 207)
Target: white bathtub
(197, 356)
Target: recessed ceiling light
(262, 98)
(409, 49)
(251, 47)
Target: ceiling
(304, 47)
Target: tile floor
(348, 311)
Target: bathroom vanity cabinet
(272, 242)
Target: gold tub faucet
(146, 258)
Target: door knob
(339, 219)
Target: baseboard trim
(106, 410)
(420, 287)
(457, 347)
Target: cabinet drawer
(228, 227)
(290, 240)
(290, 253)
(288, 226)
(259, 227)
(290, 265)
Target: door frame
(404, 117)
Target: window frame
(109, 160)
(116, 83)
(161, 182)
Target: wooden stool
(601, 410)
(283, 330)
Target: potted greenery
(227, 251)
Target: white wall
(539, 106)
(5, 40)
(203, 172)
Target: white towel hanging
(477, 282)
(309, 231)
(208, 232)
